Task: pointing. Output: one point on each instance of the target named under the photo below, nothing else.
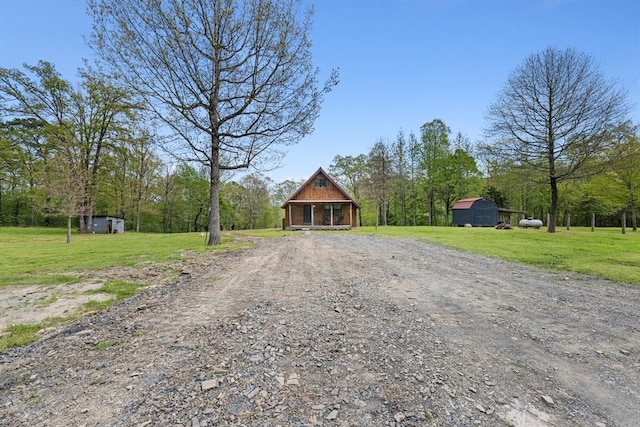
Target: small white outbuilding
(107, 225)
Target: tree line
(416, 180)
(184, 94)
(90, 150)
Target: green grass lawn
(42, 256)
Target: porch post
(290, 220)
(351, 215)
(331, 220)
(313, 208)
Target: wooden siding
(327, 205)
(321, 217)
(311, 192)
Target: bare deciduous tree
(552, 116)
(232, 78)
(63, 186)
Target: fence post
(593, 222)
(568, 221)
(624, 223)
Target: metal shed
(477, 212)
(107, 225)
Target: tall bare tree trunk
(431, 197)
(139, 202)
(553, 214)
(68, 229)
(214, 184)
(633, 214)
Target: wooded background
(73, 151)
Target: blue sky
(402, 62)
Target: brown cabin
(320, 204)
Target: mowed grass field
(41, 256)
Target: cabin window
(321, 183)
(326, 218)
(337, 209)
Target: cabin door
(306, 218)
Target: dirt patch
(35, 304)
(341, 329)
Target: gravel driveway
(341, 330)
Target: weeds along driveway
(342, 329)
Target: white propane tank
(533, 223)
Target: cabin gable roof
(309, 183)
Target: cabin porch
(319, 215)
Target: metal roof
(466, 203)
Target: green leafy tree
(9, 155)
(400, 179)
(552, 115)
(255, 201)
(82, 122)
(145, 165)
(495, 194)
(434, 150)
(378, 184)
(233, 79)
(624, 159)
(351, 172)
(130, 173)
(512, 185)
(231, 214)
(278, 194)
(114, 191)
(167, 199)
(413, 151)
(192, 187)
(458, 176)
(281, 191)
(27, 142)
(23, 156)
